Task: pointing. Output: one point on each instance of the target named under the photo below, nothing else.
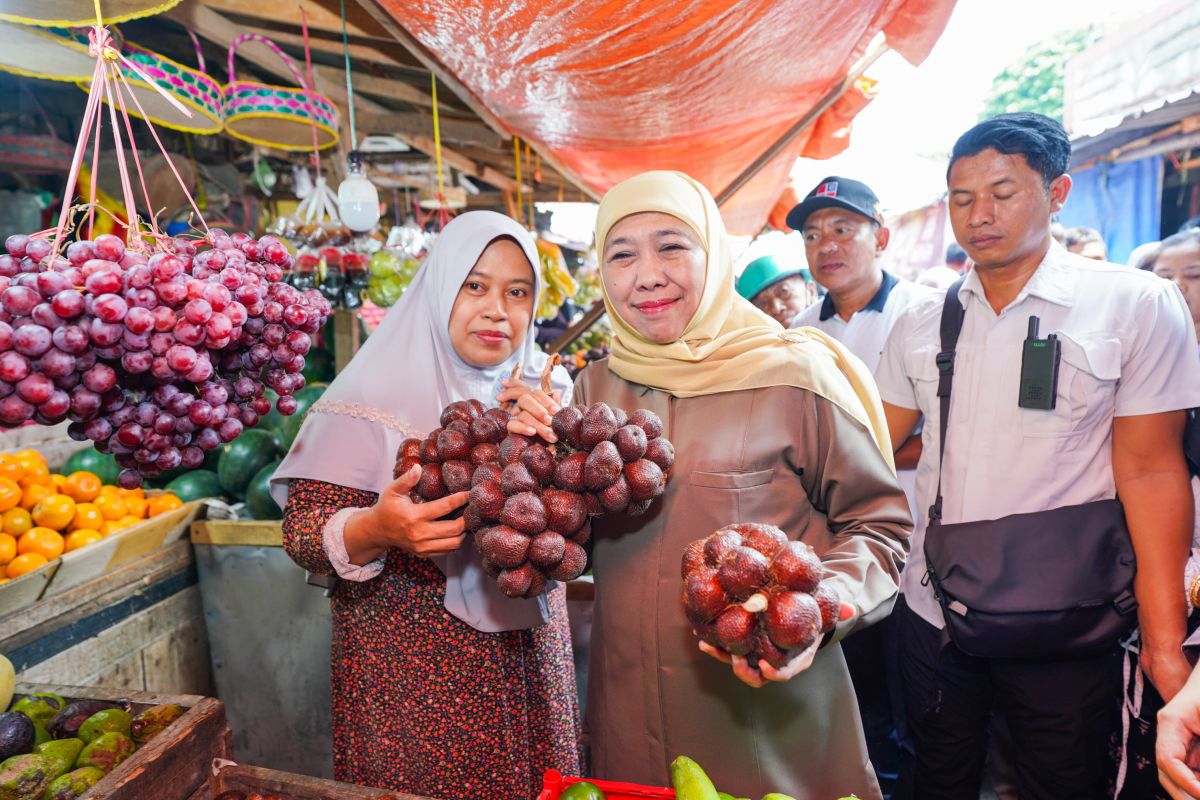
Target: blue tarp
(1122, 201)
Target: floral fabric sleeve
(310, 508)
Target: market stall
(206, 211)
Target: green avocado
(582, 791)
(62, 754)
(106, 752)
(40, 708)
(25, 777)
(74, 784)
(102, 722)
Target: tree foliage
(1034, 82)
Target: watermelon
(259, 502)
(318, 366)
(242, 458)
(103, 465)
(271, 421)
(195, 485)
(304, 401)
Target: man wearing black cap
(844, 236)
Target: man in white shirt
(844, 237)
(1127, 372)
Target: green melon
(196, 484)
(242, 458)
(259, 502)
(103, 465)
(318, 366)
(304, 401)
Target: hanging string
(309, 87)
(437, 141)
(532, 187)
(517, 169)
(350, 81)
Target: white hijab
(396, 387)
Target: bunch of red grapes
(157, 357)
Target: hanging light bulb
(358, 199)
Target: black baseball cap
(837, 192)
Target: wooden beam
(431, 63)
(393, 89)
(358, 22)
(380, 53)
(487, 174)
(381, 120)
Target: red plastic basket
(553, 783)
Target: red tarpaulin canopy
(608, 89)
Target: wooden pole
(801, 125)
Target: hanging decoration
(282, 117)
(442, 201)
(55, 54)
(73, 14)
(157, 348)
(163, 85)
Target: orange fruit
(42, 541)
(35, 466)
(127, 493)
(8, 548)
(86, 516)
(82, 486)
(10, 494)
(34, 479)
(162, 503)
(16, 521)
(59, 481)
(30, 455)
(24, 564)
(81, 538)
(34, 494)
(137, 506)
(112, 506)
(11, 468)
(55, 512)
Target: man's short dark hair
(1185, 236)
(955, 254)
(1191, 224)
(1041, 141)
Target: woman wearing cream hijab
(782, 427)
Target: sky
(899, 143)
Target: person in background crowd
(1178, 260)
(844, 237)
(1127, 372)
(1086, 242)
(943, 276)
(1144, 256)
(1188, 225)
(1058, 232)
(780, 291)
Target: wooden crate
(286, 786)
(172, 765)
(79, 566)
(139, 626)
(86, 563)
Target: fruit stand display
(96, 743)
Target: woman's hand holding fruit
(395, 521)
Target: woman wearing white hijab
(442, 686)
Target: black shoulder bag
(1048, 584)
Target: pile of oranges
(43, 515)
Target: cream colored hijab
(729, 344)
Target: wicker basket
(56, 54)
(191, 87)
(73, 13)
(282, 117)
